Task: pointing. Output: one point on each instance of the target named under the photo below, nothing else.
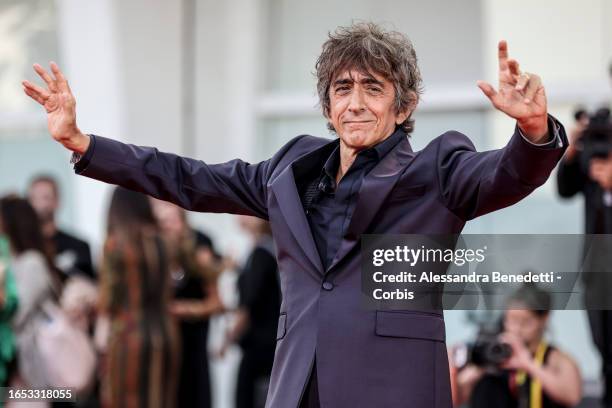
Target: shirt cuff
(81, 161)
(555, 140)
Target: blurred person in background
(8, 306)
(593, 180)
(71, 258)
(581, 172)
(141, 353)
(194, 269)
(71, 255)
(35, 279)
(536, 373)
(38, 288)
(256, 321)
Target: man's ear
(326, 114)
(402, 116)
(412, 104)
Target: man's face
(44, 200)
(362, 108)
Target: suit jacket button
(328, 285)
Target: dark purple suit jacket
(365, 358)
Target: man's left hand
(520, 95)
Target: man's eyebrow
(343, 81)
(371, 80)
(365, 80)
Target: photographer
(533, 373)
(587, 168)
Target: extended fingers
(533, 85)
(522, 81)
(502, 55)
(59, 77)
(46, 77)
(34, 95)
(35, 92)
(513, 66)
(489, 91)
(36, 89)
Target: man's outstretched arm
(233, 187)
(475, 183)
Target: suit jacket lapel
(374, 189)
(287, 196)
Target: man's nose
(357, 102)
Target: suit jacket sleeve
(475, 183)
(234, 187)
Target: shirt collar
(378, 151)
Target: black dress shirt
(328, 206)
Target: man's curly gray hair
(369, 48)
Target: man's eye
(374, 89)
(342, 89)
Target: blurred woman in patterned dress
(142, 352)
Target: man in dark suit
(321, 195)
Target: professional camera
(486, 351)
(596, 139)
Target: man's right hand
(58, 101)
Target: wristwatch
(75, 158)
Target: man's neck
(347, 157)
(49, 229)
(348, 154)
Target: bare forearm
(196, 309)
(78, 143)
(561, 388)
(535, 129)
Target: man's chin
(357, 139)
(45, 217)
